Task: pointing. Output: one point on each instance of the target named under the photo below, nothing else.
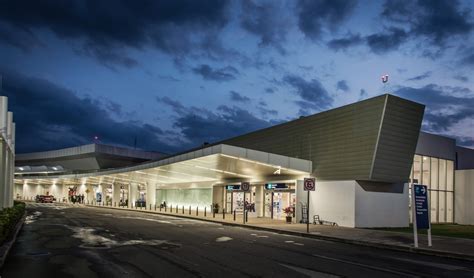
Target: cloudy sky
(170, 75)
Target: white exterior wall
(348, 205)
(464, 197)
(381, 209)
(333, 201)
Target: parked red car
(44, 199)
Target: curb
(423, 251)
(7, 245)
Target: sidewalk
(442, 246)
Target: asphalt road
(63, 241)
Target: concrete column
(150, 194)
(8, 163)
(89, 194)
(3, 150)
(301, 198)
(11, 177)
(259, 200)
(104, 193)
(12, 166)
(116, 194)
(218, 197)
(3, 172)
(132, 194)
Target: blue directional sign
(232, 187)
(270, 186)
(421, 206)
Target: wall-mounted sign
(270, 186)
(309, 184)
(245, 186)
(232, 187)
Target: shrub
(9, 217)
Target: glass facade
(438, 175)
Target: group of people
(77, 199)
(250, 207)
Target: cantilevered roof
(217, 163)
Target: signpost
(309, 184)
(244, 186)
(420, 211)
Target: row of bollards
(170, 208)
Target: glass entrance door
(276, 202)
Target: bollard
(176, 208)
(150, 207)
(155, 207)
(182, 211)
(189, 210)
(205, 211)
(197, 211)
(214, 213)
(246, 217)
(234, 214)
(223, 214)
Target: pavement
(441, 245)
(59, 240)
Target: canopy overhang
(214, 164)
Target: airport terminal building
(364, 157)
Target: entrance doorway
(277, 201)
(235, 201)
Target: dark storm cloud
(223, 74)
(108, 27)
(347, 42)
(431, 23)
(269, 90)
(390, 39)
(461, 78)
(262, 107)
(467, 58)
(363, 94)
(315, 16)
(342, 85)
(267, 21)
(49, 117)
(445, 106)
(201, 125)
(437, 20)
(234, 96)
(314, 96)
(386, 41)
(421, 76)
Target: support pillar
(115, 194)
(150, 194)
(133, 194)
(259, 200)
(3, 172)
(3, 148)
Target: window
(434, 206)
(425, 166)
(417, 169)
(442, 174)
(450, 175)
(449, 207)
(434, 173)
(438, 175)
(442, 207)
